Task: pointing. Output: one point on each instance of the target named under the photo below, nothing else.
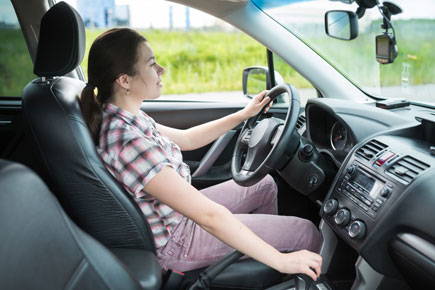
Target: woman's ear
(123, 81)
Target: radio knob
(385, 192)
(342, 217)
(330, 207)
(357, 229)
(351, 169)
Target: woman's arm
(220, 222)
(201, 135)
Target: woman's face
(147, 83)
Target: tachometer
(338, 136)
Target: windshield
(411, 76)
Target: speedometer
(338, 136)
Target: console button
(330, 207)
(367, 202)
(372, 214)
(342, 217)
(364, 207)
(357, 229)
(384, 157)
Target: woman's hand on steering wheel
(255, 105)
(268, 144)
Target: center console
(362, 193)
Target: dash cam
(386, 48)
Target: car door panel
(212, 163)
(10, 125)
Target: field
(207, 61)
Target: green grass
(206, 61)
(16, 68)
(199, 61)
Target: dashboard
(381, 200)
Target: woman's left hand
(255, 105)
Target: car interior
(358, 167)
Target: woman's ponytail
(92, 110)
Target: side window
(16, 67)
(204, 57)
(291, 76)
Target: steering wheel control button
(342, 217)
(330, 206)
(357, 229)
(246, 137)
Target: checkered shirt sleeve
(140, 160)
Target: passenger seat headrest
(62, 41)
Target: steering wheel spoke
(246, 136)
(276, 135)
(251, 160)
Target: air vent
(370, 149)
(407, 168)
(300, 124)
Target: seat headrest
(62, 41)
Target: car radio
(365, 193)
(364, 189)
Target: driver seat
(67, 160)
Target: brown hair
(113, 53)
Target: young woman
(191, 229)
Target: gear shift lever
(303, 282)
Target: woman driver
(191, 228)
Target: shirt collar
(113, 110)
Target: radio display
(364, 181)
(369, 184)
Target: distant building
(103, 13)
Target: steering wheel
(267, 145)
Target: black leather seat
(41, 248)
(67, 157)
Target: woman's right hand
(302, 262)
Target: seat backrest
(41, 248)
(68, 160)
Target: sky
(155, 13)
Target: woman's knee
(269, 186)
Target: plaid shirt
(134, 151)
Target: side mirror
(341, 24)
(256, 79)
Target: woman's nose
(161, 70)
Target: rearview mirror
(256, 79)
(341, 24)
